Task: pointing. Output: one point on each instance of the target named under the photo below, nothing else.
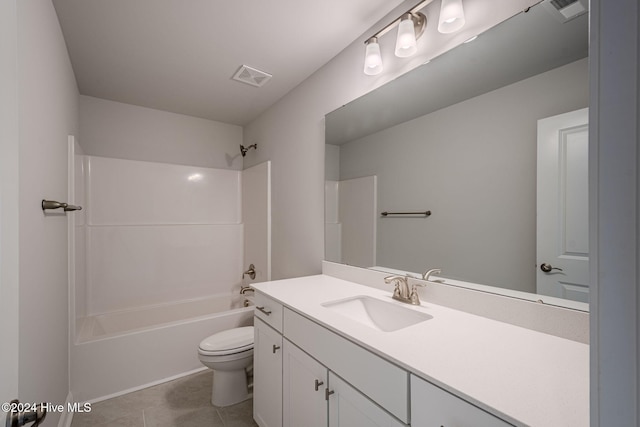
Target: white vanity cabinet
(267, 375)
(449, 370)
(307, 375)
(433, 407)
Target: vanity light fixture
(451, 16)
(372, 57)
(410, 28)
(411, 25)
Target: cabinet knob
(275, 348)
(327, 393)
(318, 384)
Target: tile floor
(184, 402)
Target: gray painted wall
(472, 164)
(124, 131)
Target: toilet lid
(231, 341)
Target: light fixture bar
(390, 26)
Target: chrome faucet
(245, 289)
(428, 273)
(401, 291)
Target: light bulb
(406, 40)
(372, 58)
(451, 16)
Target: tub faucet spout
(245, 289)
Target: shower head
(244, 150)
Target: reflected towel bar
(425, 213)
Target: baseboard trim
(67, 416)
(151, 384)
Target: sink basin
(380, 315)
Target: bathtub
(115, 353)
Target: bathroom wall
(124, 131)
(256, 221)
(159, 233)
(434, 163)
(291, 132)
(48, 113)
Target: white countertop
(525, 377)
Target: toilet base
(229, 388)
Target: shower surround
(155, 243)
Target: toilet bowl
(229, 354)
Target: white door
(256, 218)
(8, 205)
(349, 408)
(562, 204)
(303, 389)
(267, 375)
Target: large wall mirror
(463, 137)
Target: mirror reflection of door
(562, 205)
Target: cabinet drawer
(433, 407)
(381, 381)
(268, 310)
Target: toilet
(230, 355)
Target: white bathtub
(127, 350)
(133, 320)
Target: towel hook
(52, 204)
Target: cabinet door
(433, 407)
(349, 408)
(267, 376)
(304, 384)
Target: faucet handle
(396, 280)
(415, 299)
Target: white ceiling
(180, 55)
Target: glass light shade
(406, 40)
(372, 58)
(451, 16)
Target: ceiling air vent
(251, 76)
(566, 10)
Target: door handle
(318, 384)
(546, 267)
(275, 348)
(28, 414)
